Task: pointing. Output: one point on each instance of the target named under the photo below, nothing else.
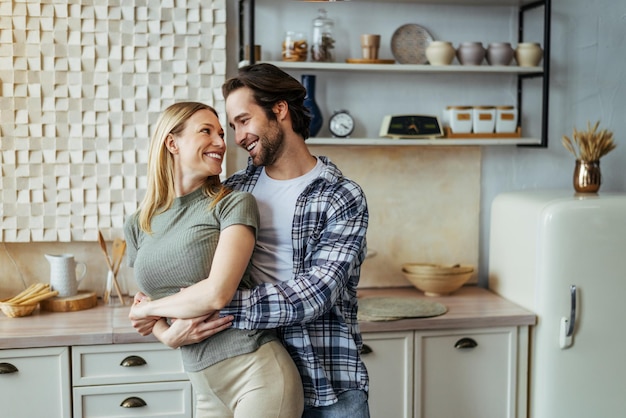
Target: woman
(192, 233)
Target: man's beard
(271, 145)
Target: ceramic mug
(65, 273)
(369, 46)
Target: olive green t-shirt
(179, 253)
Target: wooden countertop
(470, 307)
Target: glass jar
(322, 41)
(295, 46)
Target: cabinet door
(35, 382)
(165, 399)
(466, 373)
(388, 357)
(125, 363)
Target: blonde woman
(192, 233)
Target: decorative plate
(408, 44)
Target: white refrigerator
(563, 256)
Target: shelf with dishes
(403, 68)
(410, 78)
(439, 142)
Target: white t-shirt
(272, 259)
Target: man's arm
(339, 248)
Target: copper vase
(587, 176)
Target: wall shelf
(439, 142)
(403, 68)
(521, 74)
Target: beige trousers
(262, 384)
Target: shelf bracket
(547, 5)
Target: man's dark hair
(270, 85)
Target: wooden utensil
(118, 250)
(107, 291)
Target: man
(310, 246)
(311, 242)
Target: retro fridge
(563, 256)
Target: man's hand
(190, 331)
(143, 324)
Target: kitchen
(459, 183)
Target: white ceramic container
(506, 119)
(460, 119)
(440, 53)
(484, 119)
(528, 54)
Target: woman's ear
(171, 145)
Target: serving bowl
(436, 280)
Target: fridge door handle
(572, 313)
(567, 324)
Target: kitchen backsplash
(423, 203)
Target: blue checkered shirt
(316, 311)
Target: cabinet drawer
(35, 382)
(476, 368)
(166, 399)
(125, 363)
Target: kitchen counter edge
(469, 307)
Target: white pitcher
(65, 273)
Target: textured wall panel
(81, 84)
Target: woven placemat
(394, 308)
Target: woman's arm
(231, 258)
(189, 331)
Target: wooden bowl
(438, 284)
(14, 311)
(427, 268)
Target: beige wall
(65, 152)
(423, 202)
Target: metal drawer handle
(133, 402)
(465, 343)
(366, 349)
(7, 368)
(133, 361)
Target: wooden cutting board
(84, 299)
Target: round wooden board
(83, 300)
(369, 61)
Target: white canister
(484, 119)
(460, 119)
(506, 119)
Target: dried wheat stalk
(589, 145)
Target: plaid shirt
(316, 311)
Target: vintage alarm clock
(411, 127)
(341, 124)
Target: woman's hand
(142, 323)
(190, 331)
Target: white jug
(65, 274)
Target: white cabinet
(35, 382)
(130, 380)
(470, 373)
(388, 357)
(371, 91)
(466, 373)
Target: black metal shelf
(524, 7)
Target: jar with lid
(295, 46)
(322, 41)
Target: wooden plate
(369, 61)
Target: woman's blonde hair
(160, 193)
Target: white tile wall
(81, 85)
